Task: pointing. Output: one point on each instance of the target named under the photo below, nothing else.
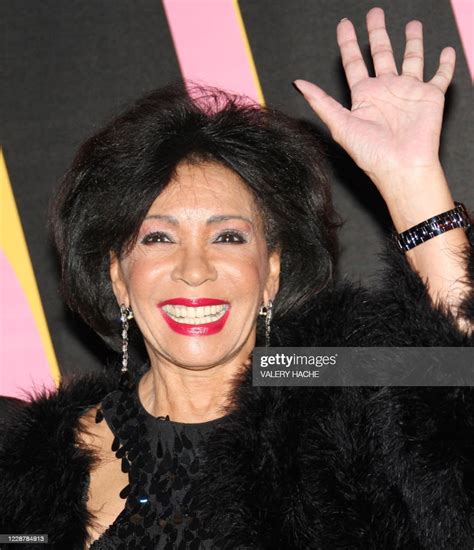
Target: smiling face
(202, 243)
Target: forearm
(439, 261)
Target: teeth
(196, 315)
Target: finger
(352, 60)
(444, 74)
(413, 58)
(330, 111)
(380, 46)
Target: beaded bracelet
(436, 225)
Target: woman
(194, 223)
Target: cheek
(246, 274)
(141, 277)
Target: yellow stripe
(13, 244)
(245, 40)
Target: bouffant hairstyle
(119, 171)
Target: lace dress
(161, 457)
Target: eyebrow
(212, 219)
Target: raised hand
(394, 124)
(392, 132)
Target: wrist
(417, 195)
(398, 174)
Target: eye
(155, 237)
(232, 237)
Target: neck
(189, 394)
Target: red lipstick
(204, 329)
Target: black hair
(118, 173)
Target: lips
(204, 329)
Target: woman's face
(200, 269)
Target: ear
(273, 279)
(118, 280)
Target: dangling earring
(266, 311)
(126, 314)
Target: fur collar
(368, 468)
(43, 471)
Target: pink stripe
(464, 14)
(210, 45)
(23, 362)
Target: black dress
(161, 457)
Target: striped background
(69, 65)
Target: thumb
(330, 111)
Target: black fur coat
(369, 468)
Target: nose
(193, 267)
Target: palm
(395, 120)
(392, 119)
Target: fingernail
(296, 88)
(343, 19)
